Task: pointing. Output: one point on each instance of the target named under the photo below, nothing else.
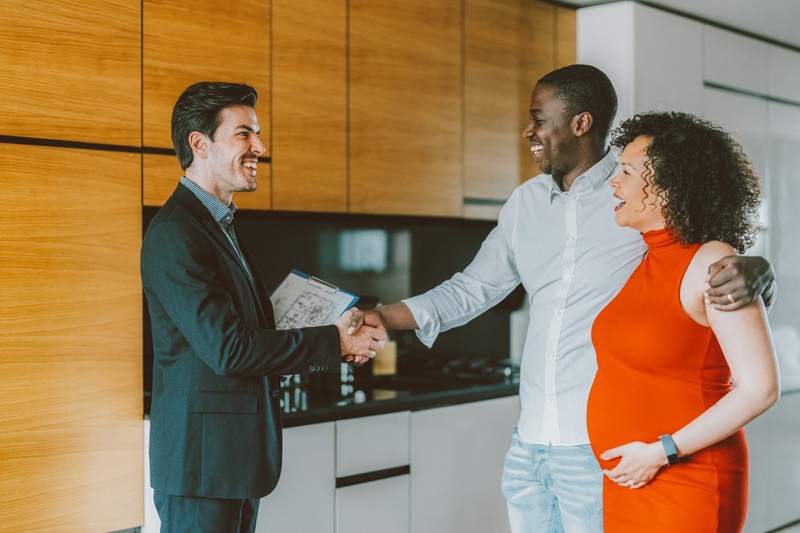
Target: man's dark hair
(584, 88)
(199, 109)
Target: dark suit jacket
(215, 427)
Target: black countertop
(385, 394)
(324, 398)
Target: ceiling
(776, 20)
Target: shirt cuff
(426, 317)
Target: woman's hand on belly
(639, 463)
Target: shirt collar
(222, 213)
(593, 178)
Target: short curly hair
(708, 188)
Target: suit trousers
(190, 514)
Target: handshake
(361, 335)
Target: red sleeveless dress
(657, 371)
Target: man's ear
(582, 123)
(199, 144)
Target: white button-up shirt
(572, 259)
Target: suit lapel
(199, 211)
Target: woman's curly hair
(704, 180)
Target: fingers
(610, 454)
(729, 301)
(716, 269)
(355, 321)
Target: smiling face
(549, 133)
(233, 153)
(640, 206)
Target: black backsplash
(395, 257)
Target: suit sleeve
(178, 270)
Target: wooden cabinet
(71, 70)
(189, 41)
(405, 107)
(508, 46)
(71, 348)
(309, 99)
(161, 173)
(457, 456)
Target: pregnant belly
(620, 411)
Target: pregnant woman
(677, 379)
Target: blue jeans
(552, 489)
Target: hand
(358, 347)
(639, 464)
(369, 317)
(735, 281)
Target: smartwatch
(669, 448)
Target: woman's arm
(746, 342)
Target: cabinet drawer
(371, 443)
(376, 506)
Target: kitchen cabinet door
(758, 437)
(374, 506)
(303, 501)
(783, 491)
(71, 70)
(508, 46)
(734, 60)
(309, 105)
(784, 190)
(784, 73)
(189, 41)
(457, 456)
(405, 107)
(666, 48)
(71, 348)
(493, 96)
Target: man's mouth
(251, 165)
(620, 203)
(536, 149)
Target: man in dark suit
(215, 434)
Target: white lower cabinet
(774, 489)
(783, 494)
(454, 454)
(303, 500)
(457, 455)
(381, 505)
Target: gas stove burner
(477, 370)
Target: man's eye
(244, 133)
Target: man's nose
(256, 146)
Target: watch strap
(669, 448)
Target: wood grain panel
(309, 98)
(190, 41)
(405, 107)
(71, 70)
(565, 36)
(537, 55)
(492, 99)
(70, 340)
(161, 174)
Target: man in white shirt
(557, 236)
